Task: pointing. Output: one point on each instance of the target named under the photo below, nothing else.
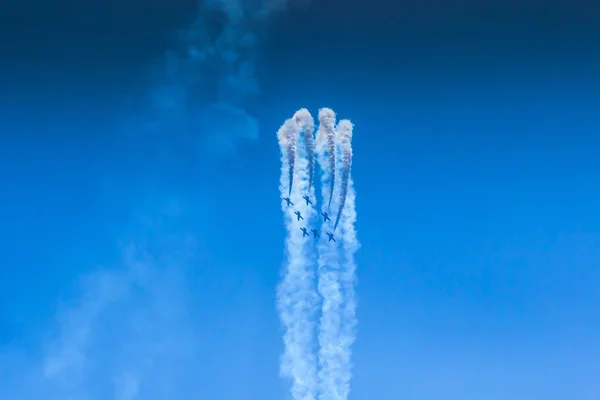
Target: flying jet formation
(315, 296)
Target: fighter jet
(304, 233)
(330, 237)
(299, 216)
(325, 217)
(307, 200)
(315, 233)
(287, 199)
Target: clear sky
(140, 245)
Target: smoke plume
(344, 140)
(350, 245)
(296, 293)
(287, 136)
(307, 122)
(328, 286)
(297, 300)
(326, 140)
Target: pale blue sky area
(139, 262)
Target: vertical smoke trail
(350, 245)
(296, 297)
(344, 139)
(328, 281)
(287, 136)
(306, 121)
(326, 135)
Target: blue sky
(143, 265)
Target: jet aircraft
(325, 217)
(299, 216)
(307, 200)
(287, 199)
(330, 237)
(315, 233)
(304, 233)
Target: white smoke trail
(326, 137)
(288, 136)
(328, 271)
(344, 140)
(350, 245)
(307, 122)
(296, 295)
(307, 155)
(337, 274)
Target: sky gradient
(141, 241)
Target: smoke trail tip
(282, 133)
(326, 113)
(304, 119)
(287, 132)
(345, 129)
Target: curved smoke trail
(344, 139)
(326, 135)
(296, 295)
(306, 121)
(287, 136)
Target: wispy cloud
(128, 335)
(206, 87)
